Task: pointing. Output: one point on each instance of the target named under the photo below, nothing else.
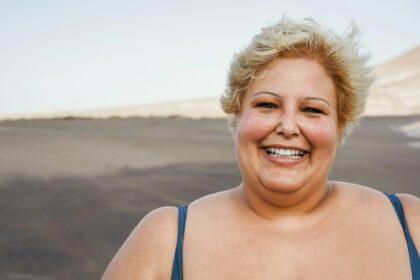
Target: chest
(345, 251)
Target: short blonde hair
(340, 56)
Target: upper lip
(284, 147)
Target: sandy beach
(72, 190)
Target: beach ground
(72, 190)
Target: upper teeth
(285, 152)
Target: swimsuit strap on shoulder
(412, 251)
(177, 265)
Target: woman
(293, 96)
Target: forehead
(295, 77)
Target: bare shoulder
(411, 203)
(362, 199)
(148, 251)
(411, 206)
(363, 194)
(376, 202)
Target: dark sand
(72, 190)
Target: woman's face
(286, 136)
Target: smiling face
(286, 136)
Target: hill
(396, 92)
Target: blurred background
(109, 109)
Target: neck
(292, 210)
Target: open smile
(288, 156)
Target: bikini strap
(177, 265)
(414, 256)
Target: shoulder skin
(411, 206)
(148, 251)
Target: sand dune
(195, 109)
(396, 92)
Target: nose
(288, 125)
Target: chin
(282, 184)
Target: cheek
(254, 126)
(323, 133)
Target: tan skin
(286, 220)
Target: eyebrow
(281, 97)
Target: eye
(268, 105)
(313, 110)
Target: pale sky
(74, 55)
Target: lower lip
(287, 162)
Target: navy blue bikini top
(412, 251)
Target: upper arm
(411, 206)
(148, 251)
